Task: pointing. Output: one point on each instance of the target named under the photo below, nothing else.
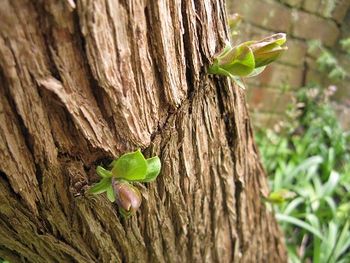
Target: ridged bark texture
(82, 82)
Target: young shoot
(117, 180)
(248, 59)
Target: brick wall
(303, 20)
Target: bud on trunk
(127, 196)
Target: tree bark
(83, 82)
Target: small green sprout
(248, 59)
(117, 181)
(280, 196)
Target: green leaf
(112, 164)
(331, 184)
(153, 169)
(130, 167)
(101, 186)
(256, 72)
(299, 223)
(226, 49)
(110, 194)
(215, 69)
(277, 39)
(343, 242)
(239, 61)
(239, 82)
(102, 172)
(268, 54)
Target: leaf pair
(134, 167)
(268, 49)
(104, 185)
(130, 167)
(236, 61)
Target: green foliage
(129, 168)
(249, 58)
(238, 61)
(326, 61)
(153, 169)
(345, 44)
(310, 157)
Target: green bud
(268, 49)
(234, 61)
(280, 196)
(248, 58)
(127, 196)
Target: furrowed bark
(83, 82)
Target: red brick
(309, 26)
(343, 92)
(248, 31)
(293, 3)
(271, 15)
(311, 63)
(296, 52)
(344, 62)
(343, 115)
(268, 100)
(278, 75)
(314, 76)
(311, 5)
(326, 8)
(314, 52)
(340, 10)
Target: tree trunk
(85, 81)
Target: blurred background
(314, 27)
(300, 107)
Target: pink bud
(127, 196)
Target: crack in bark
(188, 56)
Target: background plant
(327, 62)
(310, 156)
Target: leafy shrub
(310, 157)
(327, 63)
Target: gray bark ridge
(82, 82)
